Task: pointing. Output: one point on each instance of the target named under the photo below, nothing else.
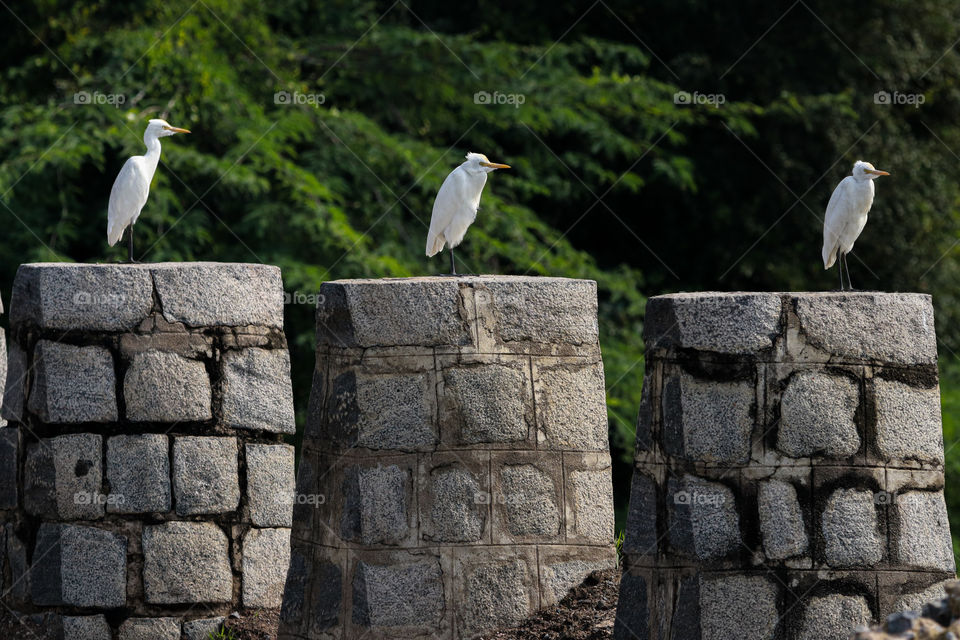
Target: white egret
(457, 202)
(847, 215)
(132, 186)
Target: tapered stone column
(145, 491)
(789, 467)
(455, 474)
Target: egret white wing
(840, 210)
(445, 209)
(127, 197)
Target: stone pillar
(144, 487)
(789, 467)
(455, 474)
(3, 368)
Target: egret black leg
(847, 265)
(453, 264)
(840, 269)
(130, 246)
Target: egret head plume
(480, 163)
(866, 171)
(160, 128)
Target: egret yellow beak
(877, 172)
(494, 165)
(177, 129)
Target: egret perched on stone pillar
(457, 202)
(132, 186)
(847, 215)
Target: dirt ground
(261, 625)
(587, 613)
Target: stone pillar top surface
(65, 296)
(847, 326)
(484, 313)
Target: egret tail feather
(435, 244)
(829, 256)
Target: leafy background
(613, 179)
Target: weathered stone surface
(718, 322)
(13, 390)
(558, 578)
(457, 512)
(79, 567)
(738, 608)
(923, 530)
(323, 580)
(9, 456)
(376, 504)
(202, 629)
(271, 484)
(186, 562)
(409, 311)
(204, 294)
(817, 413)
(497, 595)
(73, 384)
(571, 407)
(545, 310)
(645, 416)
(86, 628)
(850, 529)
(391, 412)
(3, 369)
(63, 477)
(833, 617)
(150, 629)
(640, 536)
(781, 520)
(257, 393)
(206, 478)
(89, 297)
(886, 327)
(398, 595)
(703, 516)
(266, 557)
(529, 501)
(295, 589)
(908, 422)
(489, 403)
(19, 588)
(138, 469)
(916, 601)
(166, 387)
(590, 494)
(633, 609)
(706, 420)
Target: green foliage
(612, 179)
(222, 633)
(950, 400)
